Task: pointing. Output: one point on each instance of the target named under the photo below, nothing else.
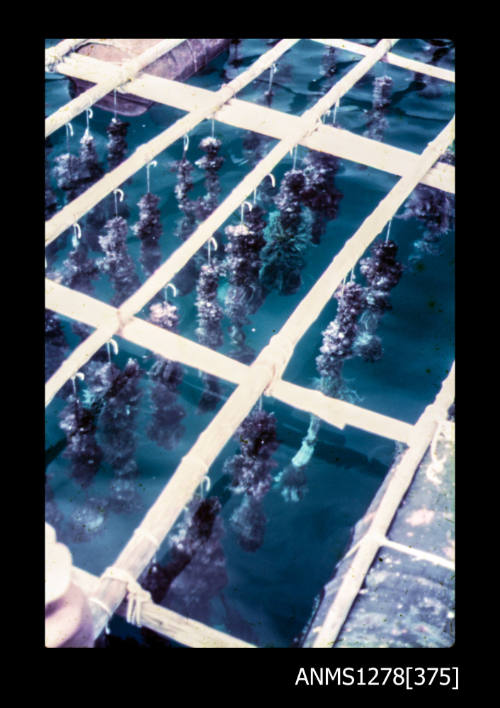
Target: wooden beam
(169, 624)
(53, 55)
(403, 473)
(116, 75)
(95, 313)
(311, 306)
(73, 211)
(262, 376)
(271, 122)
(391, 58)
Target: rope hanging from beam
(264, 375)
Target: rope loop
(136, 595)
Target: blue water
(271, 591)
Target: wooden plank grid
(270, 122)
(264, 375)
(395, 59)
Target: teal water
(271, 591)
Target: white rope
(168, 623)
(136, 595)
(54, 55)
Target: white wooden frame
(264, 375)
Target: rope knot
(136, 595)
